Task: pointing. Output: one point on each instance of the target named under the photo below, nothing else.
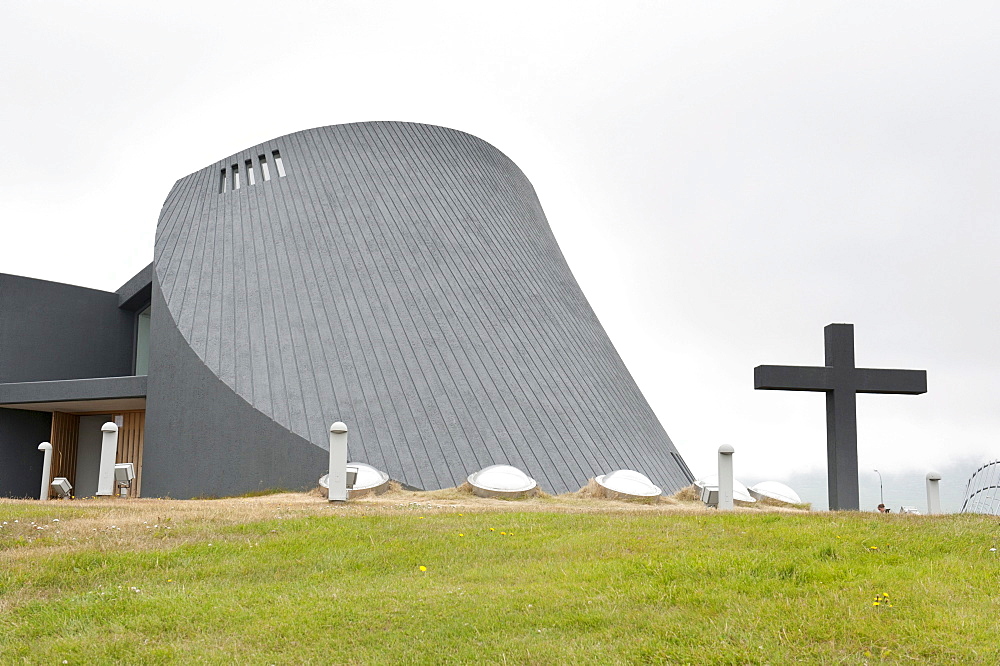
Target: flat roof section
(76, 395)
(138, 291)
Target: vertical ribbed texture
(403, 278)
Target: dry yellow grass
(142, 523)
(689, 494)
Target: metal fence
(982, 493)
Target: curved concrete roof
(401, 278)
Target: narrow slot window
(263, 167)
(250, 177)
(142, 343)
(236, 177)
(222, 182)
(277, 163)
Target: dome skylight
(501, 480)
(369, 480)
(628, 482)
(775, 490)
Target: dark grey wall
(52, 331)
(202, 439)
(20, 460)
(401, 278)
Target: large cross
(841, 382)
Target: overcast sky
(725, 179)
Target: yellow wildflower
(423, 568)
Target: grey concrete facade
(399, 277)
(57, 342)
(51, 331)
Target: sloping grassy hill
(439, 578)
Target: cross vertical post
(841, 418)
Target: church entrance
(88, 454)
(76, 447)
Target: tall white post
(46, 450)
(725, 478)
(109, 449)
(337, 478)
(933, 493)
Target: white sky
(725, 179)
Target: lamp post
(337, 477)
(725, 478)
(46, 450)
(881, 498)
(933, 493)
(109, 450)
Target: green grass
(347, 587)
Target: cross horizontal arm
(910, 382)
(792, 378)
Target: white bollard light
(46, 450)
(109, 449)
(725, 478)
(933, 493)
(337, 478)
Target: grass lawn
(419, 578)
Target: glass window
(142, 343)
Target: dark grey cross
(841, 382)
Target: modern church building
(399, 277)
